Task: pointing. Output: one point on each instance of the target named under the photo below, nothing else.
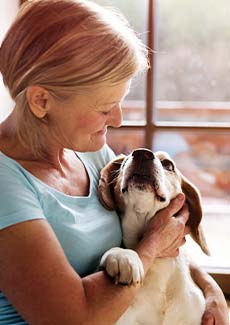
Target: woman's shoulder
(13, 176)
(6, 163)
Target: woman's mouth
(102, 132)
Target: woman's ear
(195, 213)
(37, 98)
(107, 182)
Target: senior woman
(68, 65)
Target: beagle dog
(137, 186)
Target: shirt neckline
(25, 171)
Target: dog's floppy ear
(194, 204)
(106, 182)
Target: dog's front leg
(124, 265)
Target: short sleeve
(18, 199)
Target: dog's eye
(168, 165)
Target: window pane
(124, 141)
(136, 12)
(193, 66)
(203, 157)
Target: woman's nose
(115, 119)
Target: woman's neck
(11, 146)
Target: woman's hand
(171, 229)
(216, 310)
(165, 232)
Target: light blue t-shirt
(84, 228)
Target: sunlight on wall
(8, 10)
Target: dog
(137, 186)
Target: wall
(8, 10)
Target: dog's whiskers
(115, 177)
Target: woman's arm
(216, 312)
(39, 281)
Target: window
(183, 106)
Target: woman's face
(80, 123)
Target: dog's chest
(167, 296)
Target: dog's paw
(124, 265)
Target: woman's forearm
(216, 311)
(203, 279)
(106, 301)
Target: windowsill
(179, 113)
(215, 267)
(215, 224)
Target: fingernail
(180, 197)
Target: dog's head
(143, 183)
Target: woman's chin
(97, 144)
(92, 144)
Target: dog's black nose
(143, 154)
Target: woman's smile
(102, 132)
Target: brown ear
(107, 182)
(194, 204)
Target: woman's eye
(110, 109)
(168, 165)
(105, 113)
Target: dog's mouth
(143, 182)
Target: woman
(68, 65)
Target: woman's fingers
(166, 231)
(183, 214)
(174, 206)
(208, 319)
(187, 230)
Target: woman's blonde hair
(65, 46)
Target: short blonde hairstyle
(65, 46)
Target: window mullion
(150, 78)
